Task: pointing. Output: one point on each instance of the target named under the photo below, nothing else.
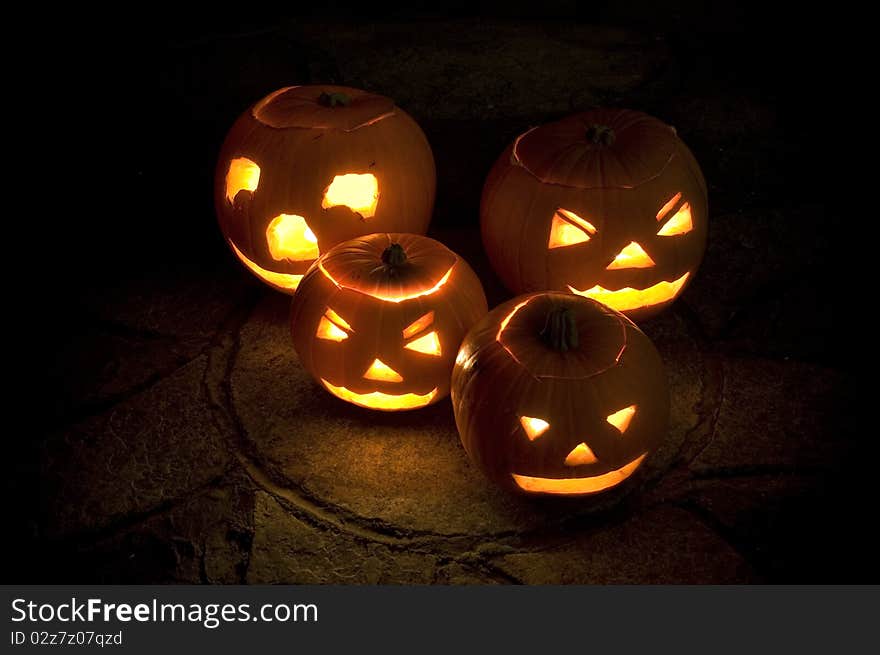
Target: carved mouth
(627, 298)
(379, 400)
(286, 282)
(577, 486)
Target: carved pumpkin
(377, 321)
(308, 167)
(556, 394)
(607, 204)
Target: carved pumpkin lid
(322, 107)
(601, 341)
(604, 148)
(359, 265)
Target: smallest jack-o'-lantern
(558, 395)
(377, 321)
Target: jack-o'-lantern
(556, 394)
(607, 204)
(308, 167)
(378, 320)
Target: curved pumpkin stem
(560, 331)
(601, 135)
(334, 99)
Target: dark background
(133, 106)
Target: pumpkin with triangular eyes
(308, 167)
(558, 395)
(377, 321)
(606, 204)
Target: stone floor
(184, 442)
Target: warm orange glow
(621, 418)
(665, 209)
(581, 454)
(428, 344)
(577, 486)
(627, 299)
(336, 318)
(632, 256)
(358, 192)
(507, 318)
(534, 427)
(568, 229)
(418, 325)
(242, 174)
(401, 296)
(379, 370)
(289, 237)
(283, 281)
(680, 223)
(327, 330)
(379, 400)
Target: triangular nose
(379, 370)
(632, 256)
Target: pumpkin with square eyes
(606, 204)
(308, 167)
(377, 320)
(556, 394)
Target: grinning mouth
(287, 282)
(627, 299)
(577, 486)
(379, 400)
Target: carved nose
(289, 237)
(632, 256)
(379, 370)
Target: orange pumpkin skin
(281, 158)
(384, 335)
(541, 421)
(563, 203)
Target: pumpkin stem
(601, 135)
(334, 99)
(560, 330)
(394, 256)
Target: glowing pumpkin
(377, 321)
(556, 394)
(607, 204)
(308, 167)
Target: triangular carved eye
(534, 427)
(568, 229)
(632, 256)
(333, 327)
(680, 223)
(621, 418)
(581, 454)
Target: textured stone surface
(663, 546)
(150, 449)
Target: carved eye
(428, 344)
(568, 229)
(357, 191)
(534, 427)
(622, 417)
(681, 221)
(242, 174)
(333, 327)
